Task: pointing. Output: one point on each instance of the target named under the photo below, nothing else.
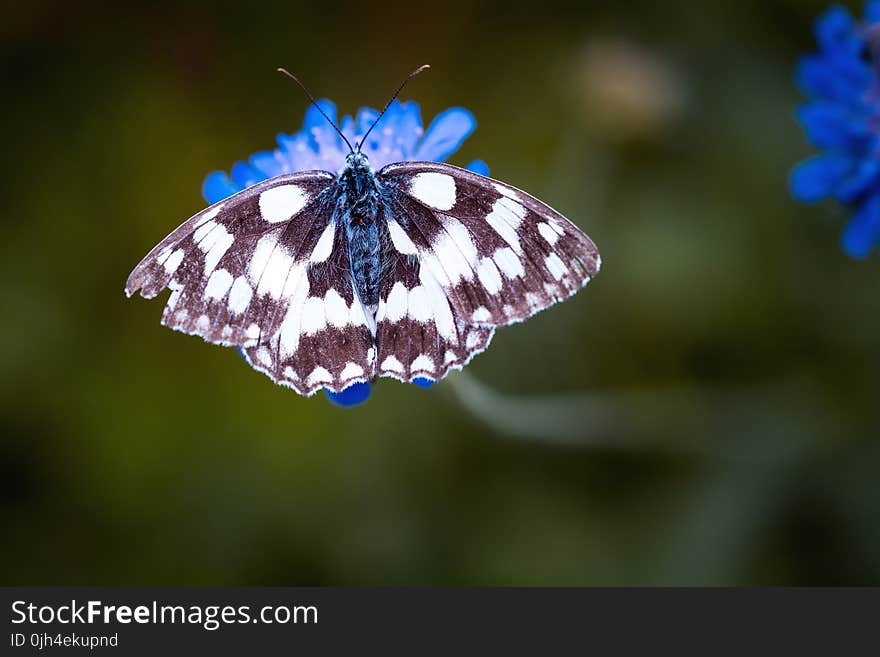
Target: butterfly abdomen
(365, 259)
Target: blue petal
(819, 177)
(316, 127)
(862, 232)
(313, 118)
(478, 166)
(835, 29)
(831, 125)
(844, 79)
(404, 126)
(347, 127)
(356, 393)
(243, 175)
(217, 187)
(423, 383)
(267, 164)
(862, 177)
(872, 11)
(366, 116)
(445, 134)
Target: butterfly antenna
(315, 103)
(388, 104)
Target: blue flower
(842, 118)
(399, 137)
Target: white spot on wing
(489, 276)
(173, 298)
(220, 240)
(324, 247)
(335, 308)
(276, 272)
(173, 261)
(400, 239)
(548, 233)
(508, 263)
(203, 230)
(451, 259)
(434, 189)
(555, 266)
(391, 364)
(423, 363)
(240, 296)
(481, 314)
(505, 218)
(319, 375)
(396, 303)
(260, 257)
(504, 191)
(263, 356)
(419, 304)
(462, 238)
(218, 285)
(313, 317)
(351, 370)
(281, 203)
(291, 326)
(440, 309)
(209, 214)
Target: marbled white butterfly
(328, 279)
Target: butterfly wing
(325, 338)
(417, 332)
(233, 267)
(483, 254)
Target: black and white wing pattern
(248, 272)
(325, 338)
(417, 332)
(475, 254)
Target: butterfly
(328, 279)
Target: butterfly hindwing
(233, 268)
(499, 254)
(417, 332)
(324, 339)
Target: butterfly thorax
(357, 209)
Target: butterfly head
(357, 161)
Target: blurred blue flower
(842, 118)
(399, 137)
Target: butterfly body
(357, 205)
(325, 280)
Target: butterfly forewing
(233, 267)
(499, 254)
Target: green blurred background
(705, 412)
